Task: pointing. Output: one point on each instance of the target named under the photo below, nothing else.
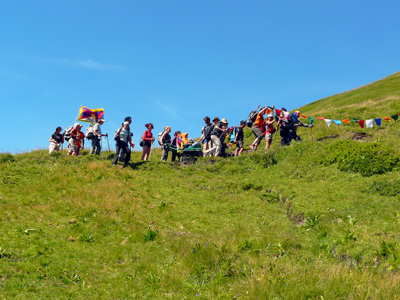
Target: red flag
(361, 122)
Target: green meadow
(315, 220)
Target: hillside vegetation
(315, 220)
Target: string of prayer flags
(369, 123)
(378, 122)
(310, 120)
(328, 122)
(361, 122)
(395, 117)
(346, 121)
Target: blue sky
(174, 62)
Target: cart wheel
(188, 159)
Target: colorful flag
(346, 121)
(90, 115)
(395, 117)
(337, 122)
(311, 120)
(277, 112)
(328, 122)
(369, 123)
(361, 122)
(354, 120)
(387, 119)
(321, 118)
(378, 121)
(303, 116)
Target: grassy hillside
(315, 220)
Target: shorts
(268, 136)
(239, 144)
(257, 132)
(72, 145)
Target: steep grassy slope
(316, 220)
(378, 99)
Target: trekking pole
(108, 142)
(101, 146)
(155, 157)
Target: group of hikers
(216, 136)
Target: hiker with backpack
(270, 130)
(56, 140)
(175, 144)
(216, 135)
(122, 137)
(148, 140)
(206, 135)
(293, 130)
(239, 137)
(122, 152)
(74, 136)
(258, 127)
(165, 141)
(285, 124)
(95, 137)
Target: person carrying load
(165, 142)
(258, 127)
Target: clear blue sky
(174, 62)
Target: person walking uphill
(96, 146)
(148, 140)
(239, 137)
(165, 143)
(122, 138)
(286, 125)
(75, 135)
(206, 135)
(293, 131)
(258, 127)
(56, 140)
(216, 134)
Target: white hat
(126, 123)
(224, 121)
(77, 124)
(101, 120)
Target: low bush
(364, 158)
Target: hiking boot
(125, 165)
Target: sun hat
(77, 124)
(126, 123)
(224, 121)
(216, 119)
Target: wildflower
(240, 270)
(287, 284)
(197, 295)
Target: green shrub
(6, 158)
(364, 158)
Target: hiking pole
(101, 146)
(150, 151)
(155, 157)
(108, 142)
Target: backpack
(251, 118)
(89, 132)
(141, 142)
(159, 137)
(67, 133)
(232, 135)
(207, 132)
(117, 138)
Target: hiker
(206, 135)
(74, 136)
(56, 140)
(269, 130)
(165, 143)
(216, 134)
(122, 152)
(96, 145)
(239, 137)
(184, 137)
(80, 142)
(293, 130)
(148, 140)
(258, 127)
(122, 138)
(285, 124)
(175, 145)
